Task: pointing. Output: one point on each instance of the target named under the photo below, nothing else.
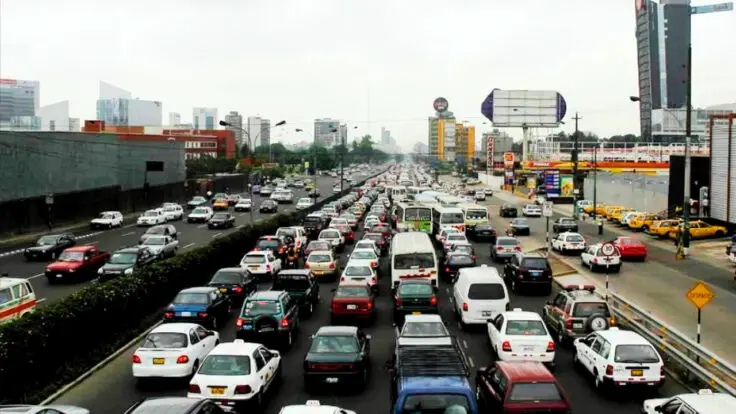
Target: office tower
(19, 98)
(174, 119)
(236, 120)
(326, 132)
(205, 118)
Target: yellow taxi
(322, 263)
(221, 204)
(700, 230)
(309, 186)
(661, 228)
(598, 208)
(619, 214)
(643, 221)
(608, 210)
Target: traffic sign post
(608, 249)
(700, 296)
(547, 212)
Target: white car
(521, 336)
(107, 219)
(236, 373)
(161, 246)
(367, 257)
(370, 222)
(336, 189)
(173, 350)
(705, 401)
(295, 232)
(424, 330)
(359, 274)
(173, 212)
(200, 215)
(444, 232)
(244, 204)
(531, 210)
(152, 217)
(314, 407)
(304, 203)
(261, 264)
(453, 239)
(367, 244)
(569, 242)
(339, 221)
(593, 258)
(617, 358)
(480, 195)
(333, 236)
(283, 196)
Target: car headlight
(128, 271)
(100, 271)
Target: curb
(63, 390)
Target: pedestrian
(706, 213)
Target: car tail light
(508, 306)
(609, 370)
(475, 256)
(568, 323)
(342, 279)
(465, 306)
(136, 359)
(194, 389)
(202, 315)
(239, 322)
(447, 269)
(506, 346)
(369, 305)
(661, 371)
(268, 267)
(612, 321)
(351, 235)
(255, 249)
(374, 264)
(499, 248)
(237, 289)
(373, 281)
(242, 389)
(306, 265)
(332, 265)
(182, 359)
(284, 323)
(433, 301)
(398, 301)
(517, 248)
(169, 315)
(550, 346)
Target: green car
(269, 317)
(414, 297)
(301, 286)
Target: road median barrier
(54, 345)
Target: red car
(519, 387)
(78, 263)
(384, 229)
(631, 248)
(347, 232)
(356, 302)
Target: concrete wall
(492, 181)
(642, 192)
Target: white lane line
(447, 290)
(214, 236)
(201, 226)
(470, 361)
(459, 326)
(188, 245)
(92, 243)
(465, 344)
(35, 276)
(41, 300)
(241, 226)
(128, 234)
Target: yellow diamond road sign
(700, 295)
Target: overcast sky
(369, 63)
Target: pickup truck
(431, 376)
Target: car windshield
(227, 276)
(364, 255)
(123, 258)
(199, 200)
(262, 307)
(254, 258)
(68, 256)
(221, 200)
(191, 298)
(456, 236)
(586, 309)
(414, 260)
(107, 216)
(200, 211)
(47, 240)
(574, 238)
(319, 258)
(416, 289)
(329, 235)
(269, 203)
(452, 218)
(642, 354)
(318, 245)
(244, 201)
(534, 392)
(225, 365)
(352, 292)
(151, 213)
(460, 260)
(305, 201)
(334, 344)
(476, 214)
(567, 221)
(436, 404)
(631, 242)
(170, 208)
(424, 329)
(286, 232)
(156, 230)
(358, 271)
(486, 291)
(155, 241)
(521, 327)
(165, 340)
(536, 263)
(267, 244)
(291, 283)
(365, 245)
(220, 216)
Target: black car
(520, 227)
(454, 261)
(49, 247)
(414, 297)
(221, 221)
(301, 286)
(235, 282)
(463, 247)
(277, 245)
(204, 305)
(175, 405)
(563, 224)
(508, 210)
(268, 206)
(269, 317)
(528, 269)
(313, 224)
(126, 261)
(483, 232)
(337, 356)
(314, 193)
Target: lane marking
(470, 361)
(465, 344)
(214, 236)
(128, 234)
(188, 245)
(41, 300)
(35, 276)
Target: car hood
(116, 267)
(101, 220)
(39, 248)
(520, 226)
(198, 214)
(155, 248)
(64, 265)
(332, 357)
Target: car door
(198, 346)
(584, 351)
(494, 330)
(250, 284)
(498, 383)
(557, 311)
(272, 364)
(587, 255)
(594, 355)
(209, 341)
(274, 262)
(264, 376)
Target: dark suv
(125, 261)
(528, 269)
(563, 224)
(301, 286)
(576, 310)
(268, 317)
(313, 224)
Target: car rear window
(537, 391)
(535, 263)
(435, 403)
(254, 258)
(225, 365)
(267, 244)
(330, 235)
(532, 328)
(358, 271)
(486, 291)
(586, 309)
(643, 354)
(631, 242)
(416, 289)
(352, 292)
(165, 340)
(319, 258)
(460, 260)
(411, 261)
(507, 242)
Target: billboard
(489, 151)
(522, 108)
(552, 183)
(508, 159)
(440, 104)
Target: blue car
(206, 306)
(256, 189)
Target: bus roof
(468, 206)
(411, 242)
(448, 210)
(410, 204)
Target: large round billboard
(440, 104)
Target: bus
(416, 190)
(413, 217)
(449, 201)
(426, 201)
(396, 193)
(475, 214)
(445, 217)
(413, 257)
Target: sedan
(631, 248)
(221, 221)
(508, 210)
(268, 206)
(234, 282)
(520, 227)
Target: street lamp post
(343, 148)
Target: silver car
(161, 246)
(42, 409)
(505, 248)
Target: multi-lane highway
(112, 389)
(191, 235)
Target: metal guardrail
(693, 363)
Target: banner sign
(489, 151)
(508, 159)
(552, 183)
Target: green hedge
(54, 345)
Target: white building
(327, 132)
(174, 118)
(129, 112)
(671, 122)
(55, 117)
(236, 120)
(258, 131)
(205, 118)
(110, 91)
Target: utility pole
(595, 179)
(342, 163)
(575, 178)
(685, 239)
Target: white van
(17, 298)
(413, 257)
(479, 295)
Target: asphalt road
(112, 389)
(191, 236)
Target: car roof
(266, 295)
(338, 330)
(80, 248)
(425, 317)
(230, 269)
(198, 289)
(516, 315)
(291, 272)
(525, 371)
(237, 347)
(617, 336)
(176, 327)
(364, 249)
(533, 255)
(706, 403)
(166, 405)
(320, 252)
(128, 250)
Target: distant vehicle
(107, 220)
(77, 263)
(49, 246)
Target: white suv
(521, 336)
(107, 219)
(479, 294)
(261, 264)
(593, 258)
(569, 242)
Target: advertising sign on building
(489, 151)
(508, 159)
(552, 183)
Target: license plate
(319, 273)
(536, 273)
(223, 290)
(266, 329)
(217, 390)
(416, 313)
(528, 348)
(487, 313)
(253, 267)
(158, 361)
(186, 314)
(637, 372)
(577, 325)
(247, 326)
(352, 307)
(331, 380)
(58, 276)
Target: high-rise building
(464, 144)
(205, 118)
(327, 132)
(174, 119)
(258, 131)
(19, 98)
(343, 134)
(110, 91)
(265, 140)
(441, 139)
(236, 120)
(129, 112)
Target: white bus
(413, 217)
(413, 257)
(396, 193)
(444, 217)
